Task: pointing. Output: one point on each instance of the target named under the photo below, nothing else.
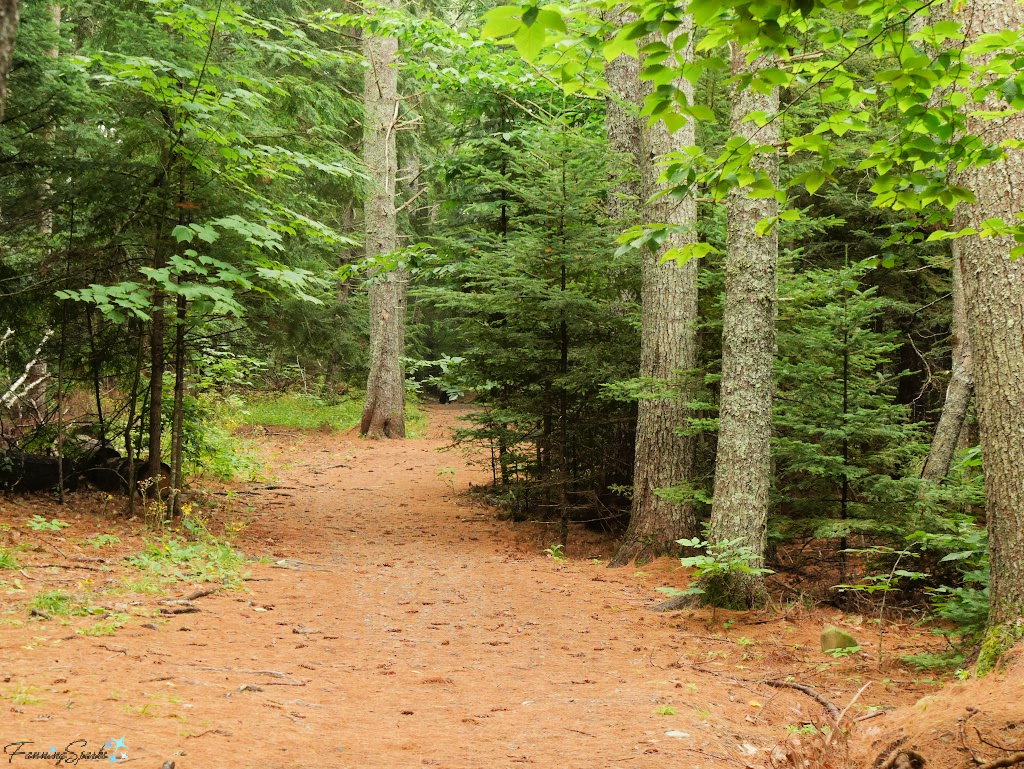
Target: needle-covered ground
(388, 619)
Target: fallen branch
(190, 609)
(678, 603)
(204, 592)
(1016, 758)
(872, 714)
(62, 566)
(830, 708)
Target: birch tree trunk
(994, 302)
(384, 411)
(10, 11)
(959, 389)
(743, 463)
(668, 352)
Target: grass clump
(7, 560)
(295, 410)
(55, 603)
(22, 695)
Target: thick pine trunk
(959, 389)
(668, 351)
(743, 463)
(10, 10)
(384, 411)
(994, 301)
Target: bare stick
(1016, 758)
(830, 708)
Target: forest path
(403, 625)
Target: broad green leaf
(529, 41)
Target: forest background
(200, 203)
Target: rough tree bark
(668, 352)
(10, 11)
(743, 464)
(959, 389)
(994, 302)
(384, 411)
(622, 126)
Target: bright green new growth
(39, 523)
(556, 553)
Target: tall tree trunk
(668, 352)
(743, 463)
(959, 389)
(384, 411)
(623, 127)
(994, 302)
(10, 10)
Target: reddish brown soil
(400, 623)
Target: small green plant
(55, 603)
(39, 523)
(102, 540)
(665, 710)
(556, 553)
(807, 730)
(447, 474)
(7, 560)
(23, 696)
(720, 560)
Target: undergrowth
(173, 558)
(302, 411)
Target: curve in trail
(443, 644)
(398, 624)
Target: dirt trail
(403, 625)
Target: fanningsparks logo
(114, 751)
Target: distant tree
(961, 382)
(10, 10)
(384, 410)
